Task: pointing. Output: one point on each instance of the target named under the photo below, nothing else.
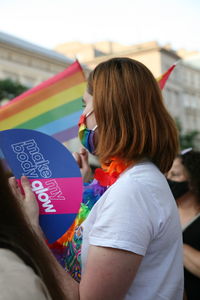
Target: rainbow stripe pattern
(53, 107)
(86, 136)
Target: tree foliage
(10, 89)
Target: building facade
(30, 65)
(27, 63)
(182, 91)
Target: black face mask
(178, 189)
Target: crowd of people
(133, 246)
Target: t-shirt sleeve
(124, 220)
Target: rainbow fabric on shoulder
(67, 249)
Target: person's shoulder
(143, 181)
(8, 259)
(140, 175)
(143, 170)
(18, 281)
(131, 185)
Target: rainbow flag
(163, 78)
(53, 107)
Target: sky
(49, 23)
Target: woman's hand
(27, 200)
(82, 160)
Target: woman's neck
(188, 206)
(188, 201)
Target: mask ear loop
(184, 151)
(95, 127)
(89, 113)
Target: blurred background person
(26, 271)
(184, 181)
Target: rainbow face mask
(86, 135)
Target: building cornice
(136, 50)
(19, 45)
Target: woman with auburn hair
(133, 122)
(132, 244)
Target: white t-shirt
(138, 214)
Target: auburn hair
(132, 120)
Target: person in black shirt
(184, 181)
